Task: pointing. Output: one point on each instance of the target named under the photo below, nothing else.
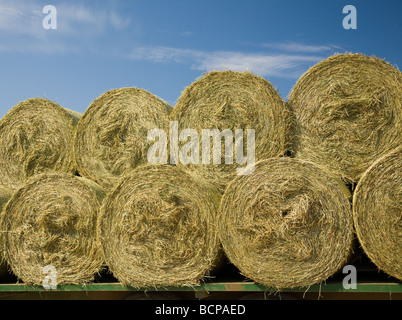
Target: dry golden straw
(234, 100)
(158, 228)
(36, 136)
(112, 134)
(377, 210)
(51, 221)
(287, 225)
(348, 112)
(5, 195)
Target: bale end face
(229, 101)
(36, 136)
(157, 228)
(51, 223)
(347, 113)
(287, 225)
(111, 136)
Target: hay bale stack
(377, 211)
(158, 228)
(112, 134)
(36, 136)
(52, 221)
(348, 112)
(287, 225)
(234, 100)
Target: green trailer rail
(210, 287)
(370, 284)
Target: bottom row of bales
(289, 224)
(156, 227)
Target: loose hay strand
(36, 136)
(52, 221)
(377, 212)
(287, 225)
(234, 100)
(157, 228)
(347, 113)
(111, 136)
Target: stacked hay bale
(287, 225)
(158, 228)
(348, 113)
(36, 136)
(229, 100)
(51, 221)
(112, 134)
(377, 210)
(156, 224)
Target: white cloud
(280, 65)
(119, 22)
(21, 27)
(299, 47)
(19, 17)
(25, 17)
(166, 54)
(186, 33)
(79, 19)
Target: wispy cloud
(187, 33)
(25, 17)
(166, 54)
(77, 18)
(300, 47)
(19, 17)
(263, 64)
(21, 28)
(21, 31)
(281, 65)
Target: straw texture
(52, 221)
(5, 195)
(158, 228)
(348, 113)
(377, 211)
(229, 100)
(112, 134)
(36, 136)
(287, 225)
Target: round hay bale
(287, 225)
(158, 228)
(51, 221)
(36, 136)
(229, 100)
(112, 134)
(348, 112)
(377, 211)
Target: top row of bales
(326, 110)
(343, 113)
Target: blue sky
(163, 46)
